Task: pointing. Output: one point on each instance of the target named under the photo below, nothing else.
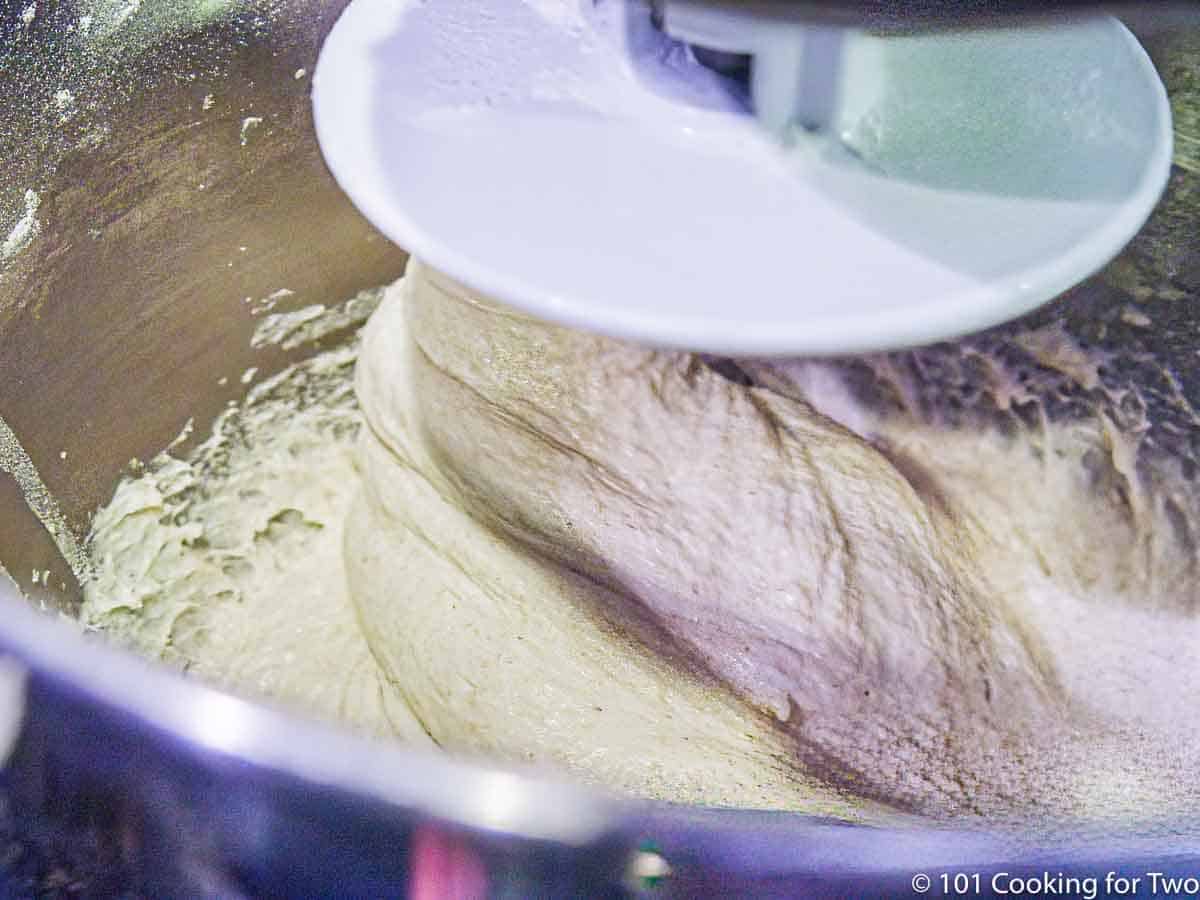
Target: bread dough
(227, 564)
(953, 640)
(756, 544)
(543, 546)
(500, 650)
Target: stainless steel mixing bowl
(157, 167)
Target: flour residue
(249, 124)
(293, 329)
(17, 463)
(24, 231)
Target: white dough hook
(570, 159)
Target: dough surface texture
(716, 582)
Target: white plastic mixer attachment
(796, 68)
(573, 160)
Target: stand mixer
(276, 811)
(764, 178)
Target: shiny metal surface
(119, 314)
(123, 314)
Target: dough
(755, 543)
(900, 628)
(704, 581)
(227, 565)
(501, 650)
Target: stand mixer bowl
(156, 169)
